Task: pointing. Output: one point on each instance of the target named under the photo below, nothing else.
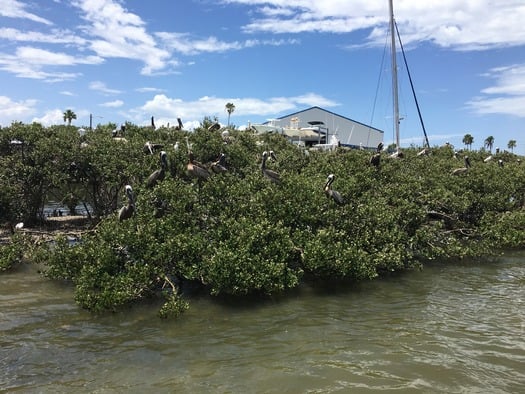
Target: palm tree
(511, 145)
(489, 142)
(468, 140)
(69, 115)
(230, 107)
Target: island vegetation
(231, 231)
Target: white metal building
(347, 131)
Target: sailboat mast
(394, 73)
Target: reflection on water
(456, 328)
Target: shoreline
(68, 225)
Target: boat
(316, 132)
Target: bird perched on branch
(214, 127)
(375, 160)
(219, 165)
(273, 176)
(330, 193)
(196, 169)
(151, 148)
(127, 210)
(160, 174)
(462, 170)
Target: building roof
(331, 113)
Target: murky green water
(456, 328)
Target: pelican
(225, 135)
(462, 170)
(487, 159)
(127, 210)
(272, 156)
(153, 123)
(150, 147)
(500, 163)
(176, 146)
(180, 126)
(375, 160)
(424, 152)
(214, 127)
(270, 174)
(398, 154)
(334, 195)
(196, 169)
(158, 175)
(218, 166)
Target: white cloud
(122, 34)
(55, 36)
(149, 90)
(167, 109)
(51, 117)
(17, 9)
(457, 24)
(11, 111)
(29, 62)
(113, 104)
(506, 96)
(185, 44)
(101, 87)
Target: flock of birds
(201, 172)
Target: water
(455, 328)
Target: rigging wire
(412, 86)
(377, 90)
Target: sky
(127, 60)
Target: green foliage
(14, 251)
(237, 233)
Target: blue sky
(129, 60)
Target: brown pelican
(375, 160)
(158, 175)
(180, 126)
(462, 170)
(151, 148)
(196, 169)
(424, 152)
(218, 166)
(214, 127)
(334, 195)
(153, 123)
(127, 210)
(398, 154)
(270, 174)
